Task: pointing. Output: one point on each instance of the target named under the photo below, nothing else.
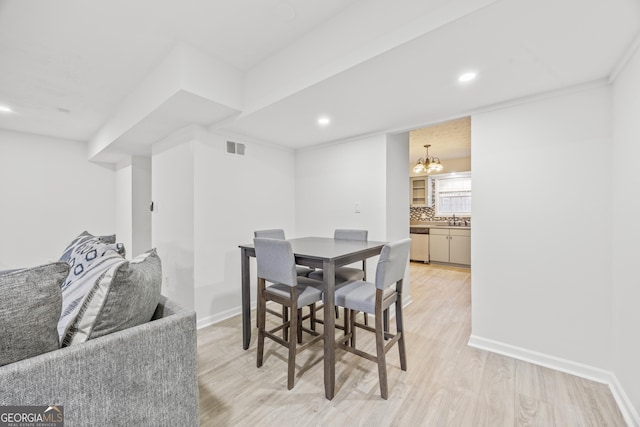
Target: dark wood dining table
(319, 252)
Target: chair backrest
(276, 233)
(276, 262)
(392, 263)
(346, 234)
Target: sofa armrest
(145, 375)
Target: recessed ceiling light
(467, 77)
(324, 120)
(5, 109)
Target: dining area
(325, 296)
(447, 382)
(235, 392)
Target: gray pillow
(126, 295)
(30, 304)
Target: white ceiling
(71, 67)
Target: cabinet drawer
(457, 232)
(439, 231)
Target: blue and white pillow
(88, 257)
(84, 237)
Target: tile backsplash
(416, 214)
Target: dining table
(326, 253)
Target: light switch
(357, 207)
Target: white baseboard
(557, 363)
(629, 413)
(219, 317)
(563, 365)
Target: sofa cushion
(125, 295)
(89, 257)
(30, 303)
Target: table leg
(329, 279)
(246, 299)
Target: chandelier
(428, 164)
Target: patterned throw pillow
(89, 257)
(126, 295)
(30, 302)
(83, 237)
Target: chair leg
(366, 318)
(262, 305)
(292, 349)
(299, 328)
(258, 308)
(382, 362)
(352, 328)
(312, 317)
(385, 318)
(285, 319)
(400, 331)
(347, 323)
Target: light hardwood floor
(447, 383)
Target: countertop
(437, 224)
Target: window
(453, 194)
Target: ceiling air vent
(235, 148)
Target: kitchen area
(440, 193)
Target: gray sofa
(141, 376)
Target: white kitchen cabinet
(421, 193)
(450, 245)
(439, 244)
(460, 246)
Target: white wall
(207, 203)
(133, 196)
(541, 247)
(123, 205)
(172, 219)
(233, 196)
(397, 186)
(332, 179)
(49, 194)
(626, 230)
(141, 197)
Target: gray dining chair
(345, 274)
(278, 233)
(276, 264)
(376, 298)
